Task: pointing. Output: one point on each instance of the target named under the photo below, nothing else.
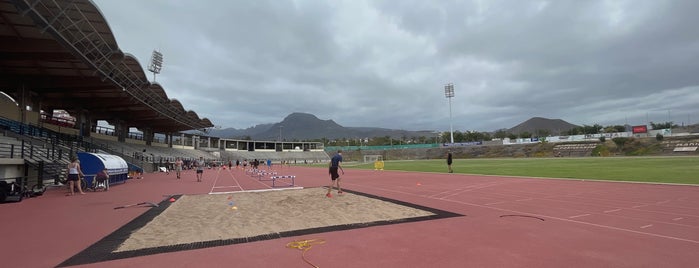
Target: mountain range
(304, 126)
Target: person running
(200, 168)
(74, 175)
(178, 167)
(449, 161)
(335, 164)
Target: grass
(684, 170)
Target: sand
(196, 218)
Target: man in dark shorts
(200, 167)
(449, 161)
(335, 163)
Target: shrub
(601, 150)
(620, 141)
(659, 137)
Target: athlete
(335, 164)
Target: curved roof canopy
(63, 55)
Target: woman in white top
(74, 175)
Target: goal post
(371, 158)
(376, 159)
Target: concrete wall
(11, 168)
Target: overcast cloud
(385, 63)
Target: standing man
(200, 167)
(449, 161)
(335, 164)
(178, 167)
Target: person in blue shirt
(335, 164)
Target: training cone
(172, 199)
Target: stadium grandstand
(62, 72)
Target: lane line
(218, 175)
(227, 187)
(578, 216)
(677, 219)
(538, 215)
(260, 190)
(495, 203)
(612, 210)
(646, 226)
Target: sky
(370, 63)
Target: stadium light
(449, 93)
(280, 133)
(156, 63)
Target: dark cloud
(385, 63)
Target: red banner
(639, 129)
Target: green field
(683, 170)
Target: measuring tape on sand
(305, 245)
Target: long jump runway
(504, 222)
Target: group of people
(75, 175)
(334, 167)
(198, 164)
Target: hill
(538, 124)
(304, 126)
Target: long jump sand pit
(200, 221)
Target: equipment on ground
(147, 204)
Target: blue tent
(91, 163)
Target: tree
(543, 132)
(458, 136)
(662, 125)
(585, 129)
(501, 134)
(618, 128)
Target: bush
(602, 139)
(620, 141)
(601, 150)
(659, 137)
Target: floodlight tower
(156, 63)
(449, 93)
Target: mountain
(537, 124)
(303, 126)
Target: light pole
(449, 93)
(156, 63)
(280, 133)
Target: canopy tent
(91, 163)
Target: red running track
(508, 222)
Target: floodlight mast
(156, 63)
(449, 93)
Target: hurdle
(283, 179)
(261, 174)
